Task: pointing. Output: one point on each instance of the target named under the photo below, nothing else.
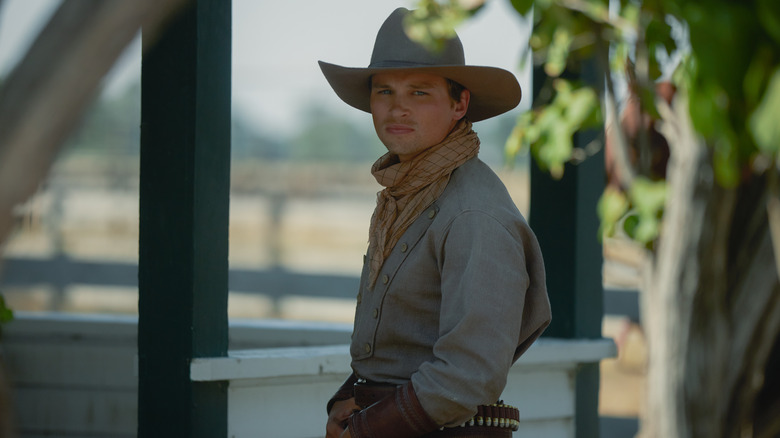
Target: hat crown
(394, 48)
(493, 90)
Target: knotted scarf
(411, 187)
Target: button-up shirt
(459, 299)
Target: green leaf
(631, 13)
(521, 136)
(549, 130)
(647, 100)
(630, 224)
(648, 198)
(765, 121)
(558, 52)
(618, 62)
(646, 230)
(523, 6)
(708, 104)
(722, 37)
(6, 314)
(659, 35)
(654, 67)
(556, 151)
(769, 15)
(611, 207)
(581, 107)
(758, 75)
(725, 161)
(432, 24)
(597, 11)
(514, 143)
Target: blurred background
(302, 193)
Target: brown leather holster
(369, 396)
(394, 411)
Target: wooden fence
(61, 272)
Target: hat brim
(493, 90)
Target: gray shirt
(459, 299)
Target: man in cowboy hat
(453, 286)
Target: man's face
(413, 111)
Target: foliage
(641, 222)
(6, 314)
(432, 23)
(648, 197)
(725, 56)
(549, 130)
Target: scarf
(411, 187)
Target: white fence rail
(75, 376)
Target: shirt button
(376, 313)
(431, 214)
(367, 347)
(385, 279)
(404, 247)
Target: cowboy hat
(493, 90)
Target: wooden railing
(61, 272)
(77, 376)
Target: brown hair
(455, 89)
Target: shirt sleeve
(484, 281)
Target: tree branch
(44, 97)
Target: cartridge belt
(493, 417)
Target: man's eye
(420, 93)
(383, 92)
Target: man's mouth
(398, 129)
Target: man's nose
(399, 106)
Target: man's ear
(462, 106)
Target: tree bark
(668, 287)
(710, 299)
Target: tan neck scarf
(411, 187)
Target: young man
(453, 287)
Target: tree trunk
(710, 300)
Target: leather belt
(366, 394)
(497, 415)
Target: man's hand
(337, 419)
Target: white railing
(76, 376)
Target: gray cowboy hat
(493, 90)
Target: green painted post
(563, 216)
(184, 201)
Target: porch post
(563, 216)
(184, 200)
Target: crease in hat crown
(493, 90)
(394, 48)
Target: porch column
(184, 201)
(563, 216)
